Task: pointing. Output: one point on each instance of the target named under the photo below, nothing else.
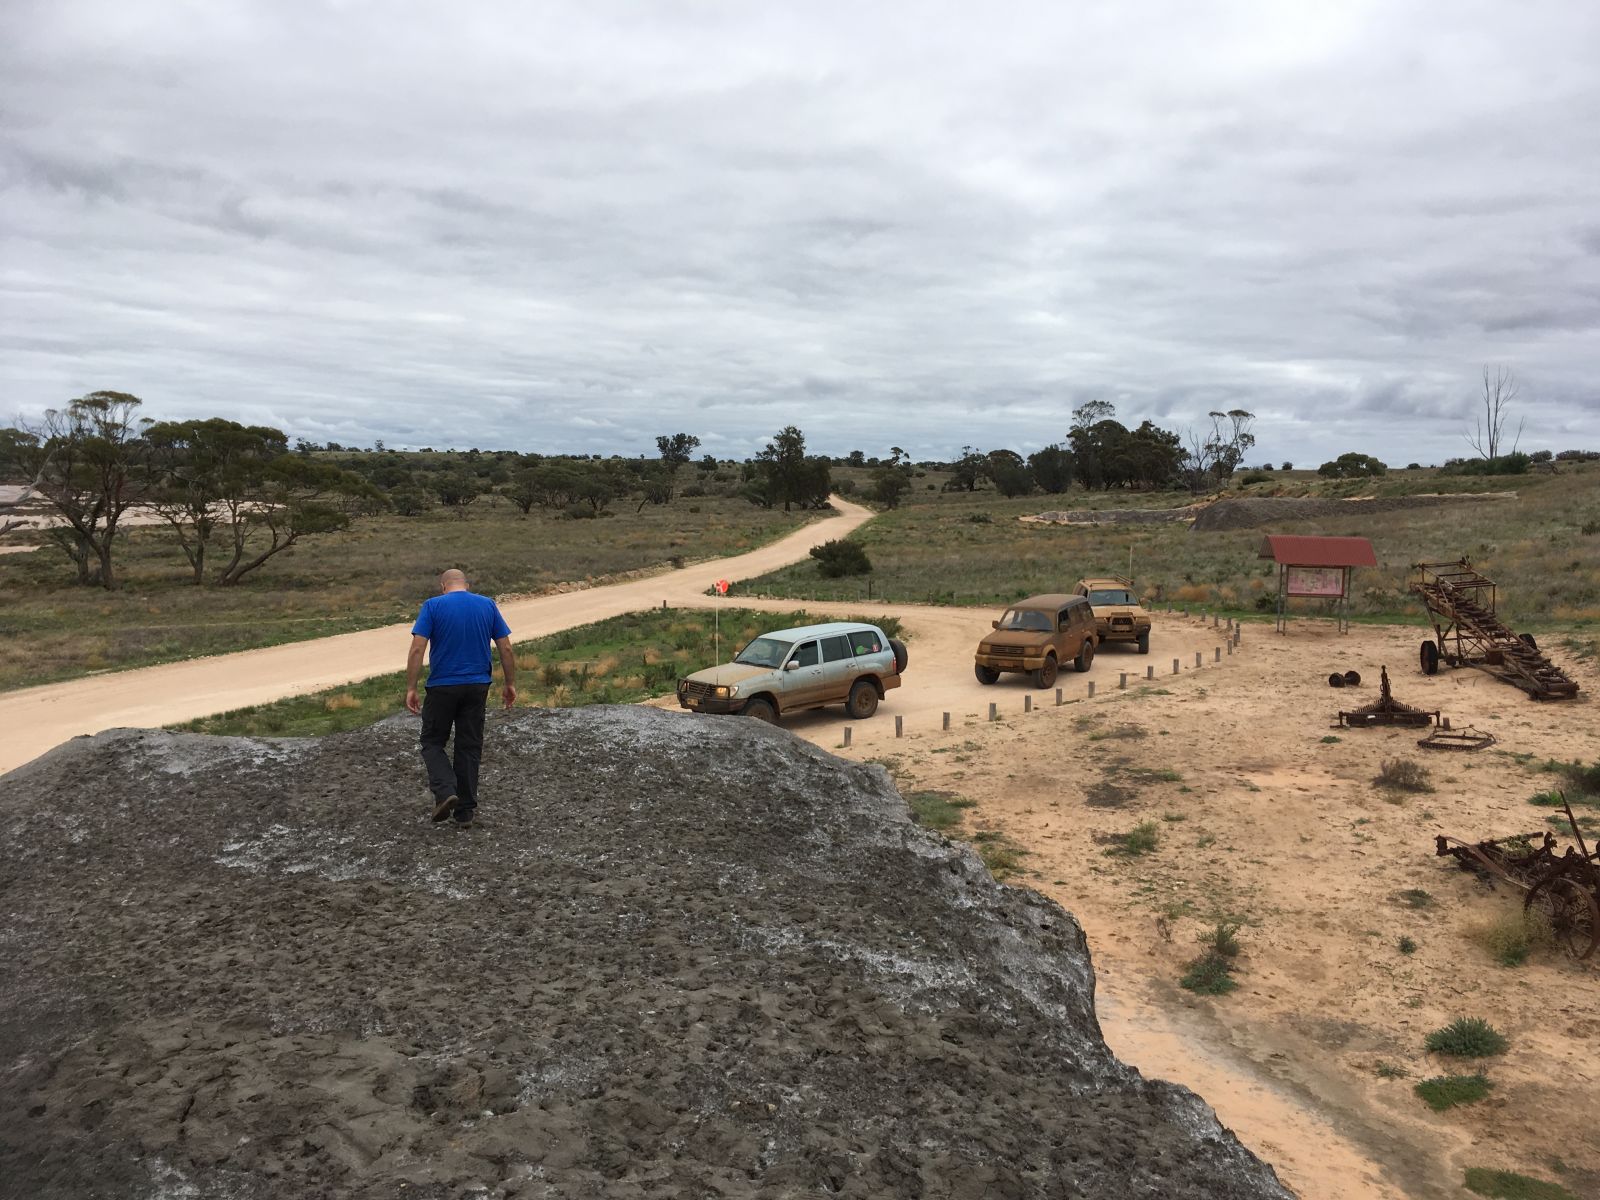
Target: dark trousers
(459, 705)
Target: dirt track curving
(704, 958)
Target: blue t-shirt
(459, 627)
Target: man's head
(452, 581)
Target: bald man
(456, 628)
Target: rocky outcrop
(681, 957)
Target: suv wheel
(863, 700)
(760, 709)
(986, 675)
(1045, 675)
(1144, 642)
(1085, 656)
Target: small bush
(1407, 945)
(839, 558)
(1209, 975)
(1255, 477)
(341, 701)
(1511, 936)
(1143, 838)
(1002, 856)
(1467, 1037)
(1444, 1092)
(1222, 939)
(1508, 1185)
(1403, 775)
(1388, 1070)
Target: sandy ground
(1295, 838)
(1273, 823)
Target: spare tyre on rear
(900, 657)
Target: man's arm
(508, 667)
(413, 670)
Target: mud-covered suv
(842, 662)
(1117, 613)
(1036, 635)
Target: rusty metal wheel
(1571, 911)
(1430, 658)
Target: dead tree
(1500, 392)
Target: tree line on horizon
(237, 496)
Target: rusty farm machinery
(1461, 608)
(1562, 889)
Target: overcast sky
(571, 227)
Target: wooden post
(1058, 698)
(1197, 658)
(1174, 666)
(994, 711)
(899, 726)
(1027, 703)
(1218, 656)
(847, 737)
(1149, 672)
(1122, 682)
(947, 722)
(1091, 689)
(1230, 646)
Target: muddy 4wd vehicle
(842, 662)
(1118, 617)
(1037, 635)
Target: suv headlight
(721, 693)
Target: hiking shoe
(467, 824)
(444, 808)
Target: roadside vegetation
(624, 660)
(958, 547)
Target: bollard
(663, 606)
(1174, 666)
(947, 722)
(899, 726)
(1091, 689)
(1058, 697)
(1215, 620)
(847, 735)
(1230, 647)
(1218, 657)
(994, 711)
(1197, 658)
(1149, 672)
(1122, 683)
(1027, 704)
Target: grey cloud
(920, 226)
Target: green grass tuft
(1508, 1185)
(1444, 1092)
(1143, 838)
(1209, 975)
(1467, 1037)
(937, 810)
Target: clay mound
(682, 957)
(1257, 511)
(1114, 516)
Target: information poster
(1316, 581)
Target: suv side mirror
(994, 624)
(791, 665)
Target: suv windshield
(1027, 620)
(764, 652)
(1112, 596)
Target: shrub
(1446, 1091)
(1388, 1070)
(1511, 936)
(1467, 1037)
(1508, 1185)
(1141, 839)
(845, 487)
(840, 557)
(1255, 477)
(1352, 466)
(1209, 975)
(1403, 775)
(1288, 466)
(1221, 939)
(578, 512)
(1407, 945)
(410, 501)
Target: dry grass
(1511, 936)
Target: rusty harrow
(1386, 711)
(1564, 889)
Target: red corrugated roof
(1292, 551)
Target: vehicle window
(1112, 596)
(764, 652)
(1025, 620)
(1065, 620)
(865, 641)
(806, 655)
(835, 649)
